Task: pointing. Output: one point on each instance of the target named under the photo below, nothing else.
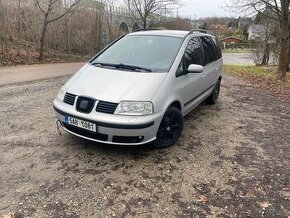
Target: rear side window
(192, 55)
(211, 50)
(219, 51)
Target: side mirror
(195, 68)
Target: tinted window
(192, 55)
(210, 50)
(218, 48)
(154, 52)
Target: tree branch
(65, 13)
(38, 5)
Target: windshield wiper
(123, 66)
(104, 64)
(132, 67)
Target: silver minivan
(138, 89)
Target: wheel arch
(176, 104)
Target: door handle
(203, 76)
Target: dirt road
(232, 161)
(11, 75)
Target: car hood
(114, 85)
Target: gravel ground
(233, 160)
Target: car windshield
(141, 53)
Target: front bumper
(111, 128)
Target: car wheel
(213, 98)
(170, 128)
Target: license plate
(81, 123)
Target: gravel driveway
(233, 160)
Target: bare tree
(174, 24)
(266, 39)
(86, 28)
(143, 9)
(279, 11)
(49, 9)
(97, 30)
(288, 61)
(18, 26)
(2, 27)
(109, 19)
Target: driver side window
(192, 55)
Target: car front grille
(106, 107)
(102, 106)
(69, 98)
(85, 105)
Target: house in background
(257, 32)
(230, 41)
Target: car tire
(213, 98)
(170, 128)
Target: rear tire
(213, 98)
(170, 128)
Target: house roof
(258, 28)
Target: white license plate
(81, 123)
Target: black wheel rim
(169, 129)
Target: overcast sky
(204, 8)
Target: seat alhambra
(139, 88)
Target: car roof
(174, 33)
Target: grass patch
(263, 76)
(251, 70)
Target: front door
(191, 85)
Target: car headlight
(61, 93)
(134, 108)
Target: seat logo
(83, 104)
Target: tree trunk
(283, 51)
(96, 32)
(67, 37)
(266, 55)
(109, 23)
(42, 39)
(288, 60)
(2, 29)
(284, 39)
(145, 21)
(18, 27)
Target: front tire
(213, 98)
(170, 128)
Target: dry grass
(262, 77)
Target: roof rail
(201, 31)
